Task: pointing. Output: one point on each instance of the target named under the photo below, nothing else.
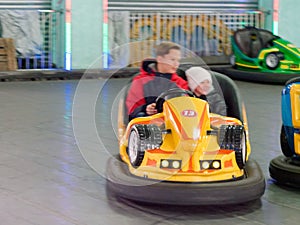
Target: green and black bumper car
(260, 56)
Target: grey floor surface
(57, 135)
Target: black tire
(240, 146)
(285, 147)
(141, 138)
(124, 185)
(272, 61)
(232, 137)
(285, 170)
(136, 144)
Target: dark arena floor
(57, 135)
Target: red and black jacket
(148, 85)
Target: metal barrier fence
(45, 60)
(34, 33)
(204, 33)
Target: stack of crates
(8, 60)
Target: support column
(86, 37)
(58, 48)
(267, 7)
(81, 32)
(282, 18)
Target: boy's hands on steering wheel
(151, 109)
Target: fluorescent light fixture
(105, 45)
(68, 46)
(275, 16)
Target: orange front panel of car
(190, 117)
(295, 104)
(151, 169)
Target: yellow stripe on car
(245, 65)
(290, 49)
(264, 52)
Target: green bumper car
(259, 55)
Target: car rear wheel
(272, 61)
(285, 148)
(233, 137)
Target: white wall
(289, 21)
(267, 7)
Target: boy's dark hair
(165, 47)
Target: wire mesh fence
(204, 33)
(45, 59)
(34, 33)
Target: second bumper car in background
(260, 56)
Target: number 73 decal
(189, 113)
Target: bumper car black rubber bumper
(285, 170)
(256, 76)
(124, 185)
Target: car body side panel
(295, 104)
(297, 143)
(286, 106)
(290, 105)
(295, 107)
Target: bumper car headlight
(170, 164)
(210, 164)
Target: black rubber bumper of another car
(285, 170)
(124, 185)
(256, 76)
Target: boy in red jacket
(156, 76)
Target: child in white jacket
(201, 84)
